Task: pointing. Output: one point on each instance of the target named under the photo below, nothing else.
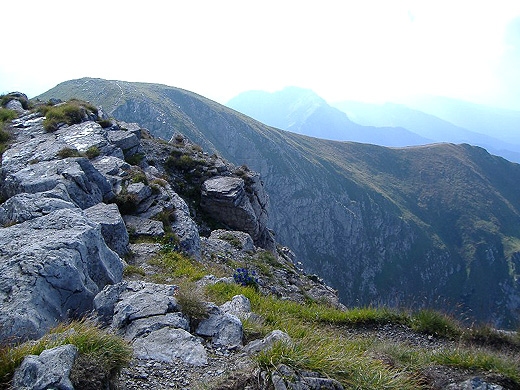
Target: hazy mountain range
(435, 225)
(421, 121)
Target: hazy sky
(362, 50)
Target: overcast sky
(367, 50)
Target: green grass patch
(322, 343)
(435, 323)
(110, 352)
(175, 265)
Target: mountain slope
(434, 225)
(303, 112)
(430, 126)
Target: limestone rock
(113, 227)
(167, 344)
(267, 342)
(84, 184)
(140, 191)
(51, 267)
(144, 326)
(226, 199)
(239, 306)
(240, 240)
(50, 370)
(474, 384)
(129, 301)
(125, 140)
(143, 226)
(224, 329)
(23, 207)
(287, 378)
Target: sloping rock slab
(23, 207)
(84, 184)
(51, 267)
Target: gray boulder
(50, 370)
(286, 378)
(256, 346)
(143, 226)
(113, 227)
(125, 302)
(224, 329)
(15, 105)
(239, 306)
(239, 240)
(226, 199)
(167, 344)
(51, 267)
(127, 141)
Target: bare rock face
(240, 205)
(51, 267)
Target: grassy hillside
(420, 226)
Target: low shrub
(7, 115)
(192, 301)
(130, 270)
(68, 152)
(135, 159)
(92, 152)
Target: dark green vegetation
(433, 226)
(101, 354)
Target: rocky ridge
(75, 200)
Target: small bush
(192, 301)
(139, 177)
(92, 152)
(135, 159)
(175, 265)
(105, 123)
(7, 115)
(68, 152)
(4, 136)
(126, 202)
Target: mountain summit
(435, 225)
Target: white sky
(367, 50)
